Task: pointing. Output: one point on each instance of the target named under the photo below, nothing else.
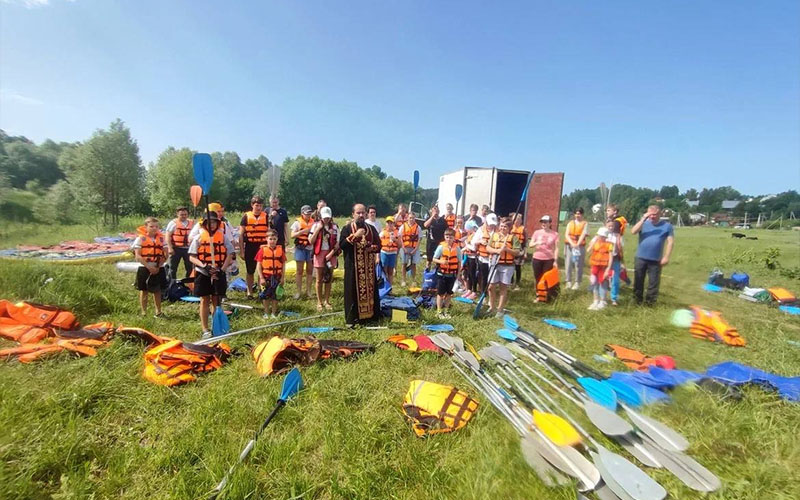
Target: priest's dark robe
(361, 302)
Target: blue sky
(644, 93)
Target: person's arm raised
(638, 227)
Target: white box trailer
(501, 189)
(498, 188)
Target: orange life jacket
(499, 241)
(255, 231)
(782, 296)
(547, 288)
(272, 261)
(175, 362)
(204, 248)
(302, 240)
(623, 223)
(152, 248)
(575, 230)
(709, 325)
(450, 255)
(80, 341)
(279, 354)
(601, 253)
(519, 232)
(410, 235)
(387, 245)
(27, 322)
(459, 237)
(180, 236)
(451, 220)
(633, 359)
(481, 247)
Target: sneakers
(268, 316)
(472, 295)
(499, 315)
(600, 305)
(441, 315)
(576, 286)
(273, 316)
(297, 296)
(593, 307)
(206, 335)
(446, 315)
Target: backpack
(402, 303)
(429, 280)
(175, 290)
(740, 280)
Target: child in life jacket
(390, 243)
(410, 236)
(270, 269)
(447, 257)
(600, 259)
(211, 253)
(470, 271)
(149, 248)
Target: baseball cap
(305, 209)
(491, 219)
(545, 218)
(390, 219)
(471, 225)
(214, 207)
(325, 212)
(602, 232)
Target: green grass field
(94, 428)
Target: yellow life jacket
(434, 408)
(709, 325)
(279, 354)
(547, 288)
(782, 296)
(175, 362)
(575, 230)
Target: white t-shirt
(376, 224)
(137, 245)
(325, 243)
(612, 238)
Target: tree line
(104, 176)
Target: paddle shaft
(213, 340)
(247, 449)
(569, 359)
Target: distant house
(692, 203)
(730, 204)
(697, 218)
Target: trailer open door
(544, 197)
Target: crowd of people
(479, 253)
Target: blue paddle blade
(219, 323)
(464, 300)
(790, 309)
(439, 328)
(599, 392)
(416, 179)
(505, 333)
(203, 171)
(510, 322)
(564, 325)
(292, 384)
(190, 298)
(708, 287)
(315, 329)
(527, 185)
(477, 312)
(625, 391)
(459, 191)
(290, 314)
(674, 376)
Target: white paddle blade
(607, 421)
(663, 436)
(633, 480)
(530, 445)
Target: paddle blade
(292, 384)
(477, 312)
(530, 445)
(195, 193)
(663, 436)
(557, 430)
(607, 421)
(219, 323)
(506, 334)
(459, 192)
(315, 329)
(416, 179)
(527, 185)
(632, 479)
(564, 325)
(625, 392)
(510, 323)
(274, 180)
(600, 393)
(203, 170)
(439, 328)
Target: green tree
(169, 180)
(106, 173)
(669, 192)
(58, 200)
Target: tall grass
(93, 427)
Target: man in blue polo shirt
(651, 255)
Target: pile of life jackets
(434, 408)
(709, 325)
(172, 362)
(42, 330)
(637, 360)
(280, 354)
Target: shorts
(203, 286)
(598, 274)
(250, 251)
(503, 274)
(152, 283)
(320, 261)
(268, 293)
(411, 256)
(445, 283)
(388, 260)
(302, 254)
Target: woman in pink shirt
(544, 242)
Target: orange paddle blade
(196, 192)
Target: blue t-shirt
(652, 238)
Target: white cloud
(13, 96)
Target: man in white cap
(480, 240)
(301, 229)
